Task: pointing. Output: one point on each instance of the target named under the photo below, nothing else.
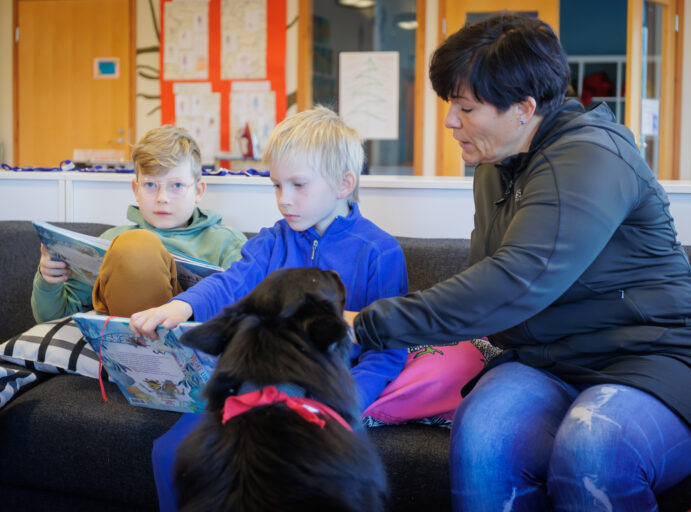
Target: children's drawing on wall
(243, 39)
(186, 36)
(252, 117)
(198, 110)
(368, 97)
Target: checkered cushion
(54, 347)
(11, 379)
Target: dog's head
(290, 328)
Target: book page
(83, 254)
(160, 374)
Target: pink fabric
(429, 385)
(306, 408)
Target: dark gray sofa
(64, 449)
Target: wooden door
(62, 102)
(452, 16)
(653, 83)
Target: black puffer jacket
(575, 267)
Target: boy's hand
(168, 316)
(52, 271)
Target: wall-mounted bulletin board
(223, 67)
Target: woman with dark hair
(575, 272)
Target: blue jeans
(525, 440)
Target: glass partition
(369, 26)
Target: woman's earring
(522, 121)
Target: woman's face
(485, 134)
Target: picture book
(192, 270)
(84, 254)
(159, 374)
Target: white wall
(436, 207)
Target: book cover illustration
(192, 270)
(160, 374)
(82, 253)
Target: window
(366, 26)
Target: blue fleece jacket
(369, 261)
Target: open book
(160, 374)
(84, 254)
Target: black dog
(288, 333)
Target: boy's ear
(200, 188)
(134, 186)
(347, 184)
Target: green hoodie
(205, 238)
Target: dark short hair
(503, 59)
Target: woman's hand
(168, 316)
(53, 272)
(349, 317)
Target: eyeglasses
(174, 189)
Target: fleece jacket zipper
(314, 249)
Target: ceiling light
(406, 20)
(358, 4)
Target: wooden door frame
(305, 55)
(132, 79)
(670, 93)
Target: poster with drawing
(254, 104)
(186, 36)
(198, 110)
(368, 93)
(243, 39)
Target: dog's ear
(322, 322)
(214, 335)
(324, 330)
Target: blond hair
(166, 147)
(322, 139)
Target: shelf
(583, 65)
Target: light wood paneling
(60, 106)
(670, 88)
(305, 55)
(634, 67)
(678, 66)
(420, 77)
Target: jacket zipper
(314, 248)
(499, 203)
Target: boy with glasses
(138, 272)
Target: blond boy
(138, 271)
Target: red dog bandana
(306, 408)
